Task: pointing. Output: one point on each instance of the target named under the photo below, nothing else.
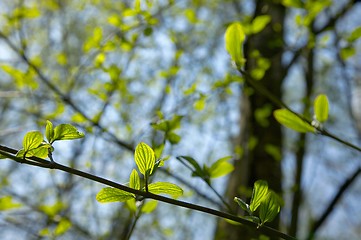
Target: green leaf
(170, 189)
(134, 180)
(347, 52)
(144, 158)
(221, 167)
(110, 194)
(234, 39)
(7, 203)
(54, 209)
(63, 226)
(269, 208)
(149, 206)
(131, 205)
(242, 204)
(40, 152)
(291, 120)
(49, 131)
(173, 138)
(260, 190)
(66, 132)
(321, 108)
(259, 23)
(32, 140)
(356, 34)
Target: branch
(334, 201)
(9, 152)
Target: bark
(257, 162)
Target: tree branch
(9, 152)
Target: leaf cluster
(263, 199)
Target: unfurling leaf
(66, 132)
(234, 38)
(291, 120)
(242, 204)
(220, 168)
(110, 194)
(170, 189)
(321, 108)
(259, 23)
(134, 181)
(260, 190)
(144, 158)
(269, 208)
(49, 131)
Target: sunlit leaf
(7, 203)
(40, 152)
(291, 120)
(63, 226)
(110, 194)
(260, 190)
(234, 39)
(134, 180)
(53, 209)
(347, 52)
(356, 34)
(173, 138)
(131, 205)
(32, 140)
(66, 132)
(321, 108)
(259, 23)
(221, 167)
(144, 158)
(170, 189)
(149, 206)
(49, 131)
(269, 208)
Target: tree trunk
(260, 135)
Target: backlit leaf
(234, 39)
(134, 180)
(221, 167)
(260, 190)
(291, 120)
(66, 132)
(32, 140)
(269, 208)
(63, 226)
(170, 189)
(7, 203)
(110, 194)
(259, 23)
(49, 131)
(321, 108)
(144, 158)
(149, 206)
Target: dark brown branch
(346, 185)
(6, 151)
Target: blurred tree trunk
(260, 137)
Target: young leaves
(110, 194)
(144, 158)
(291, 120)
(321, 108)
(61, 132)
(234, 38)
(260, 190)
(33, 146)
(265, 199)
(221, 167)
(269, 208)
(170, 189)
